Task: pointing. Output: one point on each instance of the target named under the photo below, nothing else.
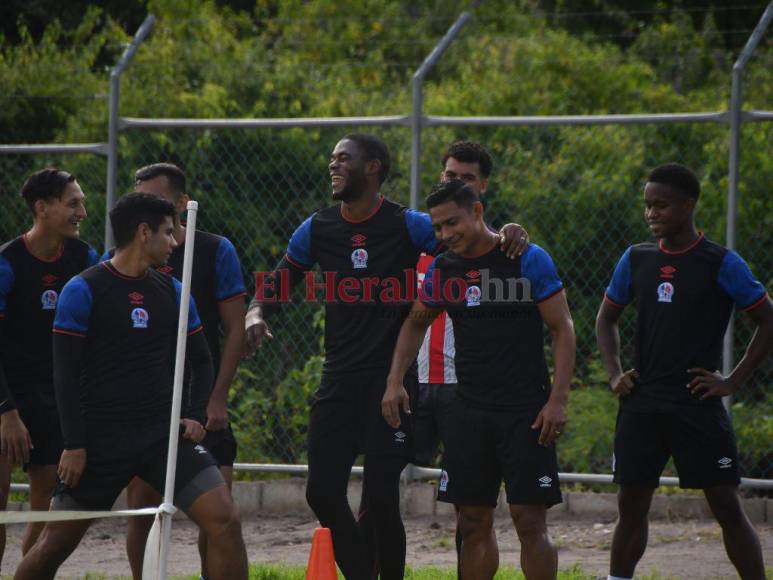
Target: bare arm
(713, 384)
(232, 314)
(608, 340)
(408, 344)
(552, 417)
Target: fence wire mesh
(577, 190)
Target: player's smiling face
(455, 226)
(666, 211)
(347, 171)
(467, 172)
(65, 214)
(159, 244)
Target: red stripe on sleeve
(757, 303)
(612, 302)
(69, 333)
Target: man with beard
(359, 244)
(33, 270)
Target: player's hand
(395, 395)
(550, 422)
(256, 329)
(193, 430)
(513, 240)
(15, 441)
(622, 385)
(708, 384)
(71, 466)
(217, 414)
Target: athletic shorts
(116, 454)
(221, 445)
(346, 412)
(700, 439)
(43, 426)
(489, 446)
(431, 420)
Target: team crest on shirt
(665, 292)
(360, 258)
(165, 269)
(472, 295)
(140, 318)
(48, 300)
(443, 485)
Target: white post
(179, 371)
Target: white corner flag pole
(157, 548)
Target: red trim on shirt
(68, 333)
(612, 302)
(374, 212)
(199, 329)
(494, 247)
(437, 336)
(234, 297)
(296, 264)
(687, 249)
(549, 296)
(52, 260)
(107, 265)
(757, 303)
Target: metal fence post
(112, 126)
(418, 100)
(736, 99)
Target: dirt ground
(687, 549)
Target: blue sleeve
(420, 229)
(738, 282)
(194, 322)
(429, 295)
(106, 256)
(299, 248)
(229, 282)
(7, 278)
(620, 289)
(537, 266)
(92, 258)
(73, 309)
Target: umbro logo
(473, 275)
(667, 272)
(136, 298)
(358, 240)
(725, 462)
(49, 280)
(400, 437)
(165, 269)
(545, 481)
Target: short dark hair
(134, 209)
(45, 184)
(469, 152)
(455, 190)
(174, 174)
(373, 148)
(678, 177)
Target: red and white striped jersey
(436, 357)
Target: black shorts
(700, 439)
(346, 412)
(491, 445)
(431, 420)
(45, 432)
(222, 446)
(114, 455)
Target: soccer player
(684, 288)
(506, 411)
(33, 269)
(114, 343)
(217, 286)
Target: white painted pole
(179, 371)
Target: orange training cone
(322, 562)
